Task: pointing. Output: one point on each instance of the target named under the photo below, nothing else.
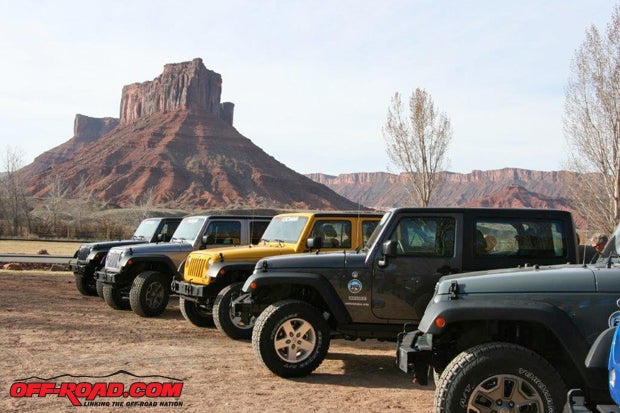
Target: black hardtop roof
(230, 216)
(498, 211)
(342, 214)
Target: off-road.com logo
(84, 393)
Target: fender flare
(556, 321)
(318, 282)
(245, 266)
(151, 259)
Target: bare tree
(417, 142)
(56, 203)
(13, 204)
(144, 204)
(592, 124)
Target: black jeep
(300, 302)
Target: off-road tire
(114, 297)
(85, 285)
(196, 314)
(272, 346)
(227, 322)
(150, 293)
(99, 287)
(493, 375)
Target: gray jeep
(514, 340)
(140, 276)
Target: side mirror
(203, 242)
(388, 249)
(315, 243)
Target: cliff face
(508, 187)
(87, 129)
(182, 86)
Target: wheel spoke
(304, 329)
(306, 345)
(288, 328)
(295, 340)
(505, 390)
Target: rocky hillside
(175, 140)
(505, 188)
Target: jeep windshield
(188, 229)
(284, 229)
(146, 229)
(378, 229)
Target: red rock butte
(176, 140)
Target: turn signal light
(253, 285)
(440, 322)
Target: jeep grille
(113, 259)
(196, 267)
(83, 253)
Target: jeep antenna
(585, 246)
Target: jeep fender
(314, 281)
(246, 267)
(152, 262)
(556, 321)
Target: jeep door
(426, 248)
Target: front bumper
(246, 307)
(192, 291)
(78, 267)
(414, 354)
(114, 278)
(576, 403)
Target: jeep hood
(330, 260)
(245, 252)
(157, 248)
(106, 245)
(555, 279)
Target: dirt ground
(47, 329)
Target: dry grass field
(33, 247)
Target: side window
(335, 234)
(367, 229)
(167, 230)
(224, 233)
(257, 228)
(425, 236)
(519, 238)
(165, 233)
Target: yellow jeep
(212, 278)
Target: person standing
(598, 243)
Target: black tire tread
(135, 294)
(112, 297)
(221, 314)
(262, 324)
(468, 359)
(188, 313)
(83, 285)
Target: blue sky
(311, 80)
